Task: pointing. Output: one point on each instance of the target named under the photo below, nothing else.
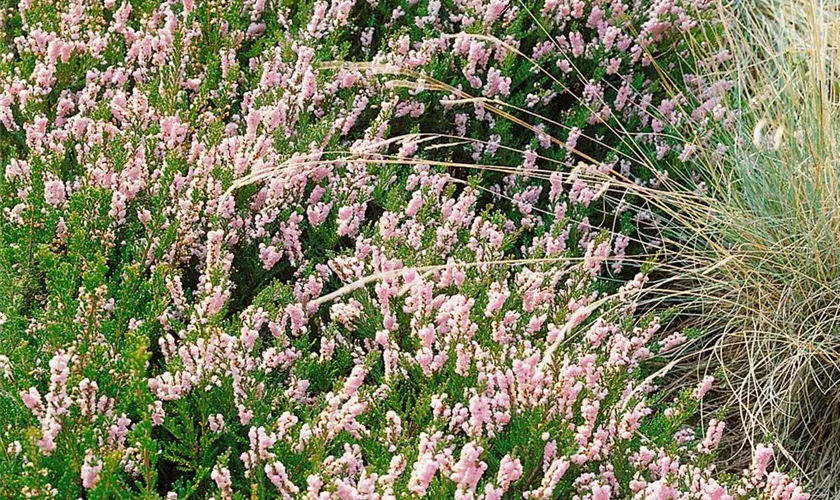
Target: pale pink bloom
(714, 432)
(221, 476)
(761, 458)
(494, 10)
(158, 413)
(510, 470)
(703, 387)
(54, 192)
(468, 470)
(91, 467)
(276, 473)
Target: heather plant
(230, 270)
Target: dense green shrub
(230, 268)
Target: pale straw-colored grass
(761, 251)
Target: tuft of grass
(758, 248)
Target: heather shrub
(447, 379)
(229, 269)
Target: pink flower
(510, 470)
(276, 473)
(714, 432)
(31, 398)
(158, 413)
(601, 492)
(216, 422)
(703, 387)
(469, 469)
(672, 341)
(596, 255)
(572, 138)
(54, 192)
(221, 476)
(91, 468)
(761, 458)
(494, 10)
(496, 84)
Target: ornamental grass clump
(754, 250)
